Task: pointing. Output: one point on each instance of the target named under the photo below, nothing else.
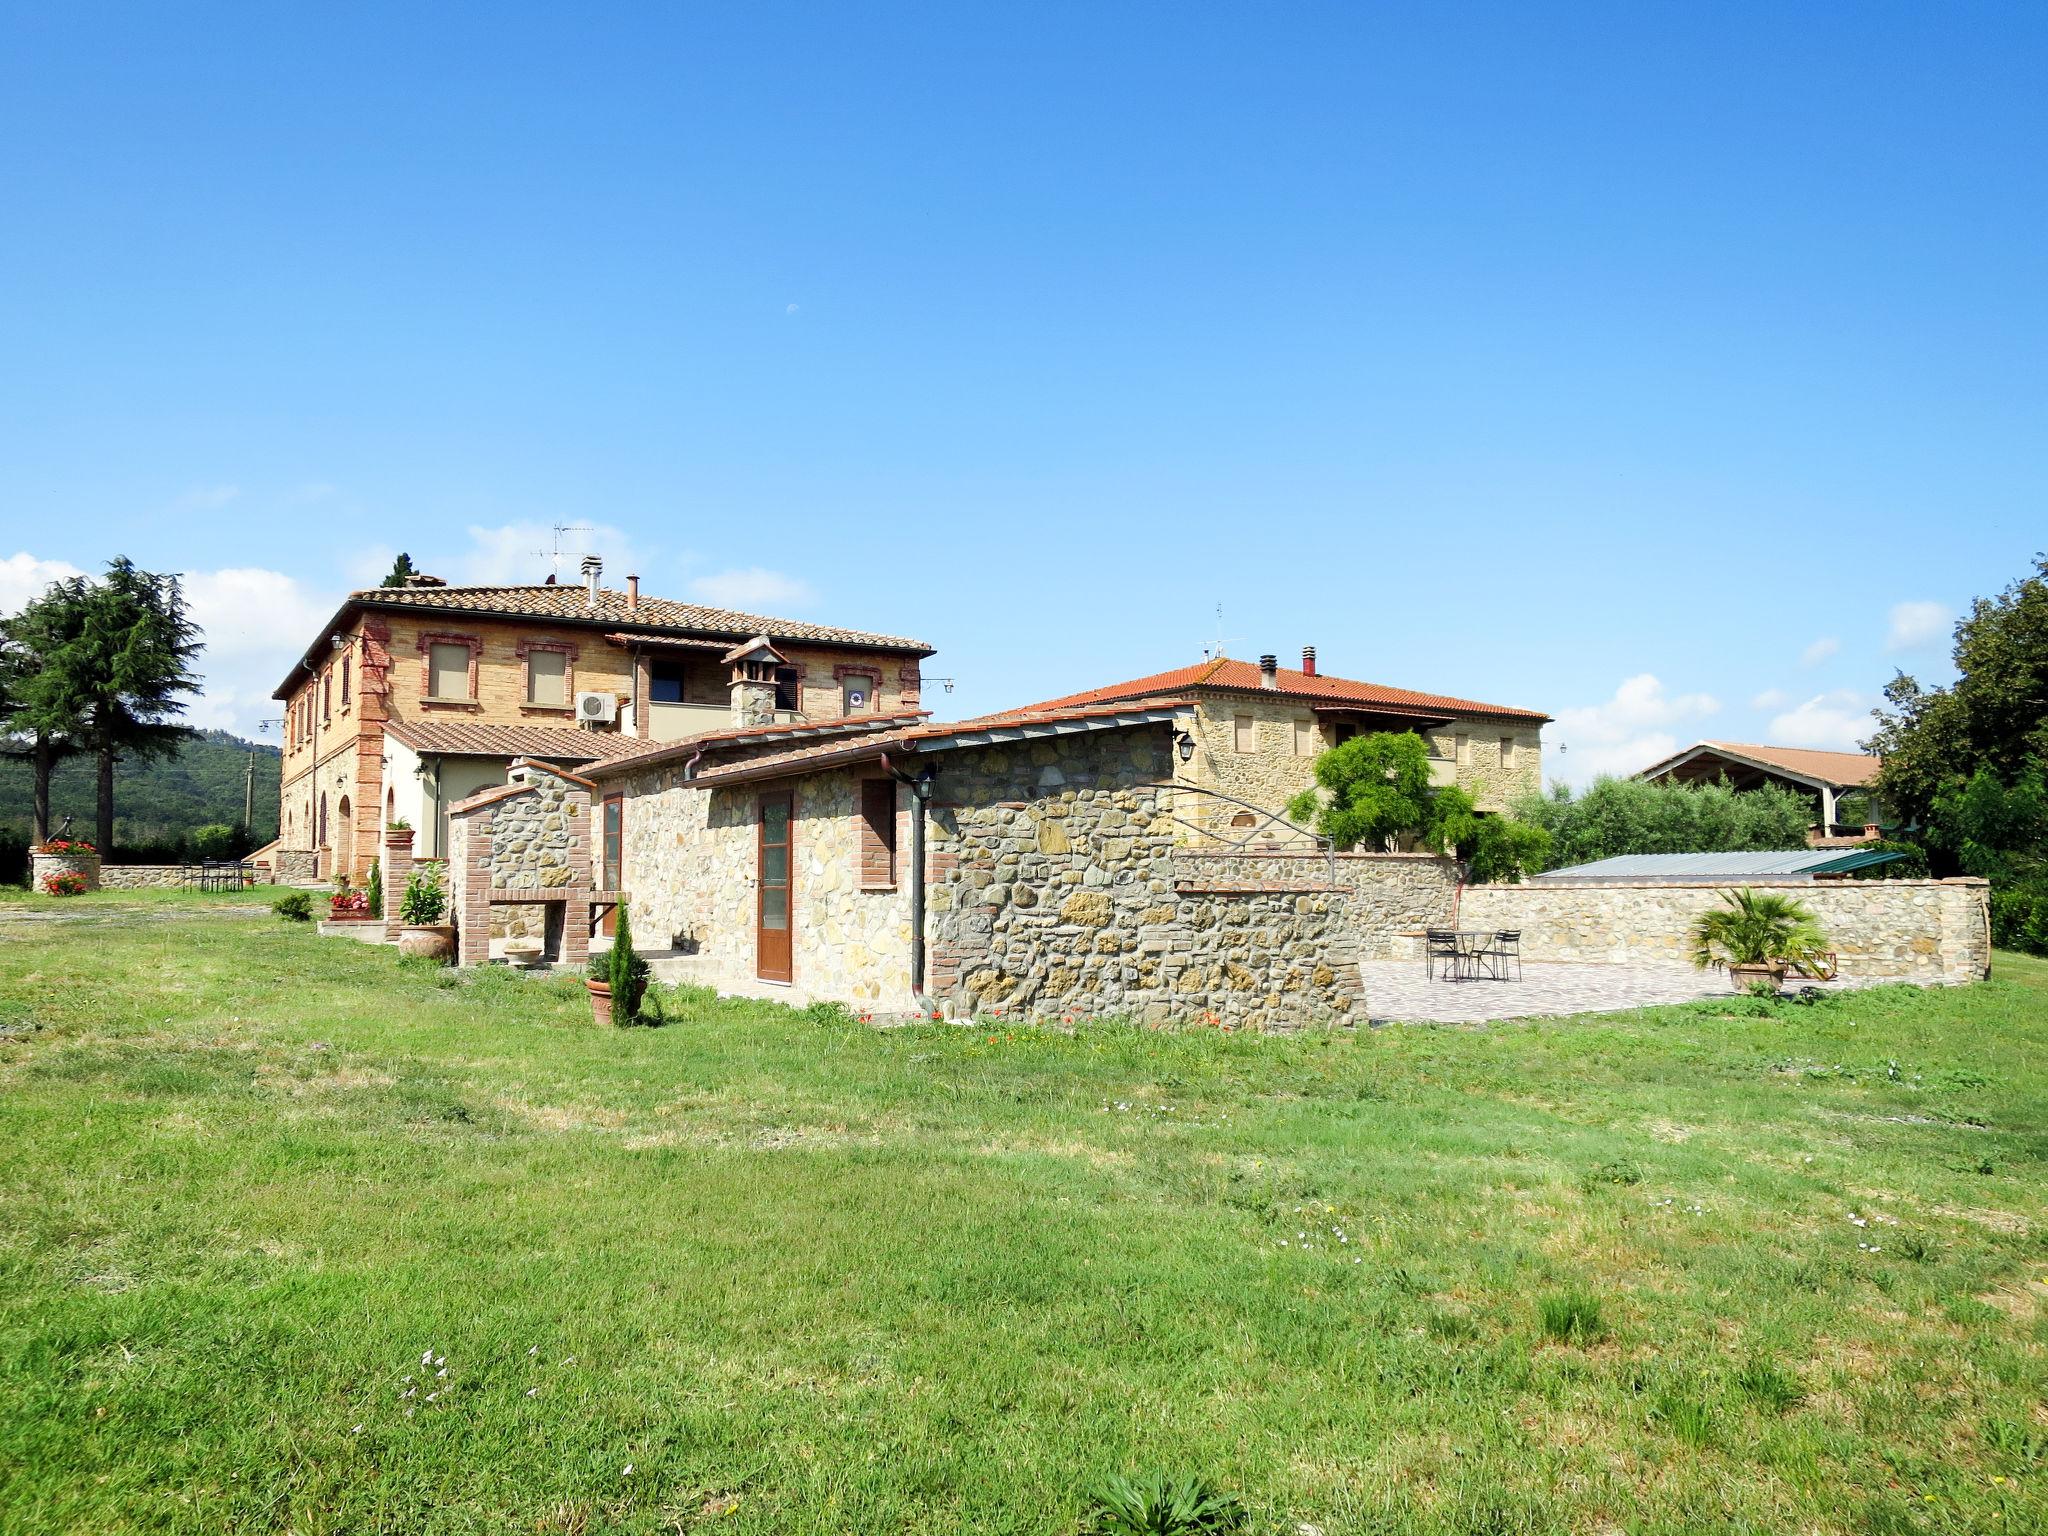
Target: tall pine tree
(42, 701)
(131, 663)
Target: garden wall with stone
(1055, 893)
(1911, 930)
(1389, 896)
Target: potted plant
(347, 904)
(421, 931)
(1757, 937)
(618, 977)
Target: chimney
(632, 594)
(1308, 661)
(1269, 671)
(592, 569)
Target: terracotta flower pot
(430, 941)
(1743, 977)
(600, 1000)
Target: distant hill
(155, 802)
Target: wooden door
(611, 850)
(773, 913)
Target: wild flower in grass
(629, 1470)
(533, 1391)
(357, 1430)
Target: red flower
(67, 883)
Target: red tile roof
(569, 604)
(1840, 769)
(549, 743)
(1223, 672)
(939, 737)
(640, 754)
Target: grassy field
(1724, 1267)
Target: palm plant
(1757, 928)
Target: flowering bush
(67, 883)
(349, 904)
(68, 845)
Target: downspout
(920, 788)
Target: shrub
(1503, 850)
(68, 845)
(626, 971)
(1155, 1504)
(349, 904)
(2019, 916)
(1572, 1317)
(1618, 816)
(67, 882)
(294, 907)
(374, 890)
(425, 902)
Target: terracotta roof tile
(568, 604)
(1833, 767)
(549, 743)
(642, 753)
(913, 738)
(1223, 672)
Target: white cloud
(1819, 651)
(1628, 732)
(1771, 698)
(1917, 624)
(255, 622)
(752, 588)
(521, 553)
(23, 577)
(1833, 722)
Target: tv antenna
(1211, 652)
(554, 556)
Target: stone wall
(1054, 895)
(291, 866)
(1388, 896)
(1919, 930)
(1492, 775)
(691, 871)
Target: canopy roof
(1721, 868)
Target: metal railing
(1316, 842)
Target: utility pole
(249, 782)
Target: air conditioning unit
(597, 708)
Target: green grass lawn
(1732, 1266)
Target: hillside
(155, 802)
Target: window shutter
(450, 672)
(877, 832)
(547, 679)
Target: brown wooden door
(773, 913)
(611, 833)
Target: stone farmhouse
(413, 698)
(785, 820)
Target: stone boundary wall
(1055, 892)
(1387, 895)
(1909, 930)
(291, 866)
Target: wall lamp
(1184, 746)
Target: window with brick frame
(327, 696)
(547, 678)
(788, 688)
(1245, 730)
(344, 680)
(877, 833)
(447, 670)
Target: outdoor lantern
(1184, 745)
(923, 782)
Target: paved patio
(1398, 991)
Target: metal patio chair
(1440, 944)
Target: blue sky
(1679, 371)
